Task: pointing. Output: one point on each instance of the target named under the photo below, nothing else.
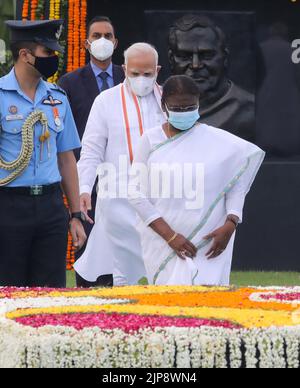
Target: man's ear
(116, 43)
(86, 44)
(124, 68)
(159, 69)
(23, 55)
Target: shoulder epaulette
(58, 89)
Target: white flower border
(60, 347)
(9, 305)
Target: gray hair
(140, 48)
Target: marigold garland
(77, 15)
(55, 14)
(83, 32)
(55, 9)
(76, 35)
(70, 258)
(52, 9)
(70, 35)
(25, 11)
(34, 6)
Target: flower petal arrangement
(150, 327)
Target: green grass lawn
(244, 279)
(71, 282)
(266, 278)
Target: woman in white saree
(187, 243)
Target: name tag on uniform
(14, 117)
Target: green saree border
(170, 140)
(226, 190)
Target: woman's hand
(221, 238)
(183, 247)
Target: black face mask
(46, 66)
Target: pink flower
(289, 297)
(126, 322)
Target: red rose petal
(126, 322)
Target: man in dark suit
(84, 85)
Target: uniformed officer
(37, 139)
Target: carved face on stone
(199, 54)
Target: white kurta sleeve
(138, 184)
(235, 200)
(94, 145)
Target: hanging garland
(77, 16)
(70, 258)
(76, 35)
(55, 9)
(25, 11)
(83, 32)
(34, 6)
(74, 12)
(70, 36)
(55, 14)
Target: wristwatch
(78, 216)
(234, 220)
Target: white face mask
(142, 86)
(102, 49)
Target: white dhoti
(229, 166)
(114, 246)
(116, 123)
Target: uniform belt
(33, 191)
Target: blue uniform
(34, 220)
(15, 107)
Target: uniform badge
(14, 116)
(59, 32)
(13, 110)
(57, 121)
(51, 102)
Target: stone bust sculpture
(197, 48)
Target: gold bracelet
(173, 238)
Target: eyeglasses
(190, 108)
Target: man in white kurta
(117, 121)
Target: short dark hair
(99, 19)
(189, 22)
(180, 84)
(15, 48)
